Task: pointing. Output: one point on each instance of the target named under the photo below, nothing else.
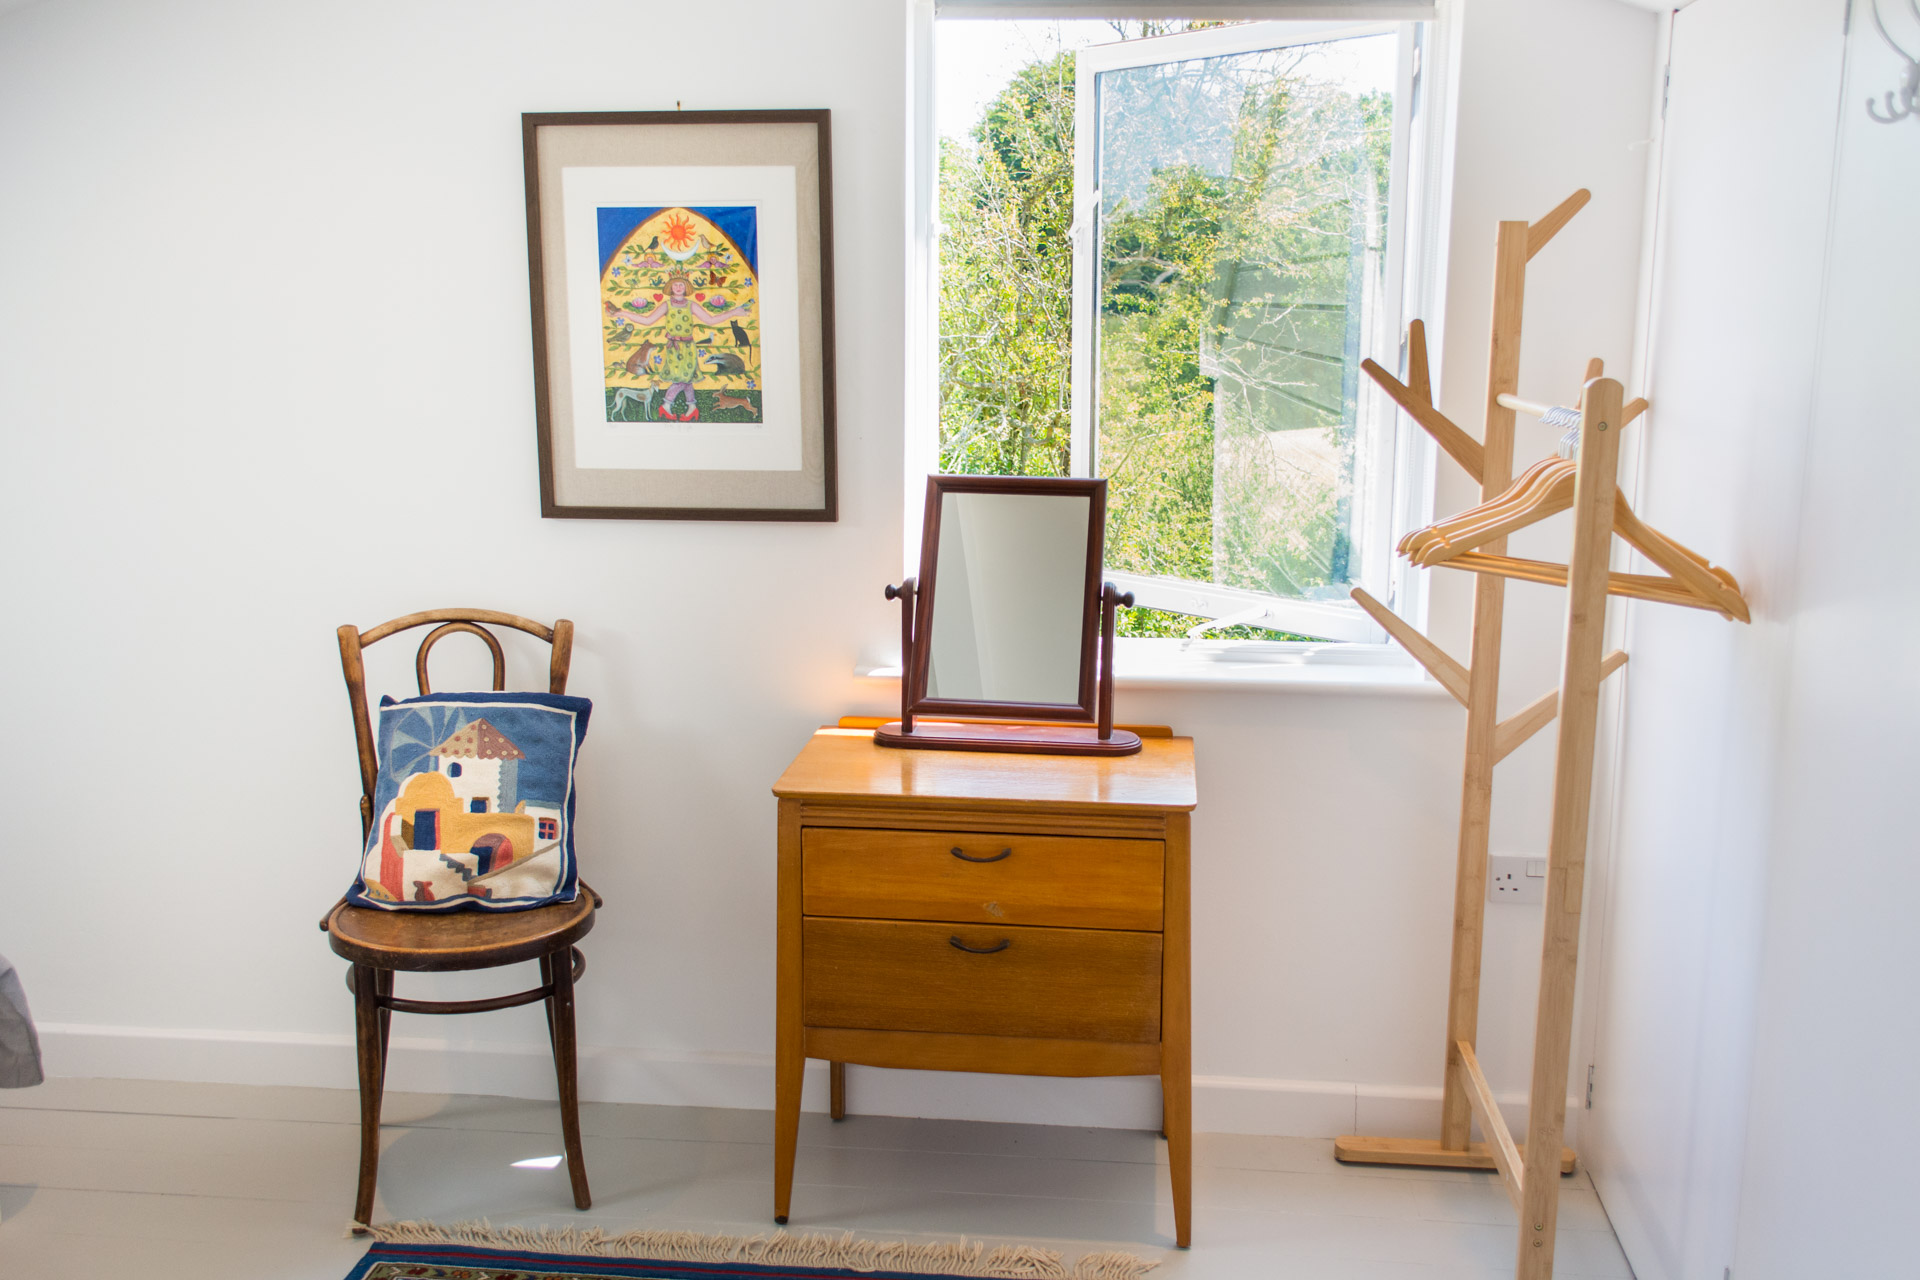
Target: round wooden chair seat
(430, 941)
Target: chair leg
(366, 1019)
(546, 979)
(566, 1067)
(383, 984)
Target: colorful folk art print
(474, 803)
(680, 313)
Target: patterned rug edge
(942, 1258)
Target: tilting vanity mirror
(1009, 619)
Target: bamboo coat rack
(1475, 540)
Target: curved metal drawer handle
(981, 951)
(967, 857)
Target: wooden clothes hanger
(1546, 489)
(1541, 490)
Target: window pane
(1006, 266)
(1243, 228)
(1005, 120)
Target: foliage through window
(1228, 209)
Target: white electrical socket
(1516, 878)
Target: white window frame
(1417, 195)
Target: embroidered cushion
(474, 803)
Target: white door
(1746, 172)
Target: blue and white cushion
(474, 803)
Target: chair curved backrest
(452, 621)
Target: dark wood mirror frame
(1084, 727)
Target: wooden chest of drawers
(979, 912)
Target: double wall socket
(1512, 878)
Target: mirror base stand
(1043, 737)
(1035, 739)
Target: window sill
(1243, 666)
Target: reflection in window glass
(1243, 230)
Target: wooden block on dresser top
(1068, 984)
(985, 877)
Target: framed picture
(682, 273)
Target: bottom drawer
(1068, 984)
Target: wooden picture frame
(681, 271)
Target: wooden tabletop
(845, 764)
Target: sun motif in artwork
(678, 232)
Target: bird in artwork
(654, 243)
(740, 338)
(700, 245)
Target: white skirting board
(421, 1064)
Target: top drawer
(978, 876)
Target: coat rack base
(1352, 1148)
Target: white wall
(264, 327)
(265, 333)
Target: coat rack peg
(1538, 714)
(1463, 448)
(1419, 380)
(1548, 227)
(1453, 677)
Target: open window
(1162, 260)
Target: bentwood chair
(381, 943)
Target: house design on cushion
(460, 827)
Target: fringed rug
(480, 1251)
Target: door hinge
(1589, 1087)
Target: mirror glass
(1010, 598)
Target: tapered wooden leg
(366, 1025)
(789, 1044)
(566, 1067)
(1176, 1019)
(1176, 1090)
(837, 1090)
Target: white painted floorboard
(114, 1178)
